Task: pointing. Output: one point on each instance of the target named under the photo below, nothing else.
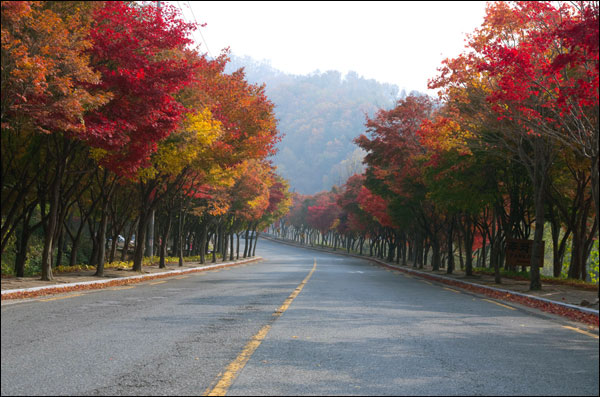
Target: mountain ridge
(319, 116)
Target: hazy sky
(394, 42)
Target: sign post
(518, 252)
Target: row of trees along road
(511, 146)
(110, 116)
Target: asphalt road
(351, 328)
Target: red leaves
(276, 194)
(375, 205)
(553, 66)
(139, 52)
(323, 215)
(394, 148)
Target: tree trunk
(150, 251)
(469, 237)
(391, 251)
(113, 248)
(163, 242)
(50, 229)
(219, 238)
(436, 257)
(140, 241)
(107, 195)
(101, 244)
(461, 259)
(214, 250)
(494, 247)
(537, 257)
(225, 244)
(255, 241)
(60, 245)
(93, 259)
(495, 263)
(538, 173)
(23, 243)
(450, 267)
(595, 179)
(203, 241)
(74, 251)
(246, 243)
(468, 234)
(483, 252)
(127, 240)
(181, 239)
(21, 256)
(425, 255)
(587, 247)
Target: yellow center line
(453, 290)
(233, 369)
(60, 297)
(158, 282)
(427, 282)
(120, 288)
(580, 331)
(499, 304)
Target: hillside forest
(319, 115)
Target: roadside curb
(99, 284)
(581, 314)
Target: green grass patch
(147, 261)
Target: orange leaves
(233, 162)
(444, 134)
(45, 67)
(251, 191)
(244, 110)
(279, 199)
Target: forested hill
(319, 114)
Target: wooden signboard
(518, 252)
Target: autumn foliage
(110, 119)
(508, 148)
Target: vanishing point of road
(300, 322)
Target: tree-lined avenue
(353, 329)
